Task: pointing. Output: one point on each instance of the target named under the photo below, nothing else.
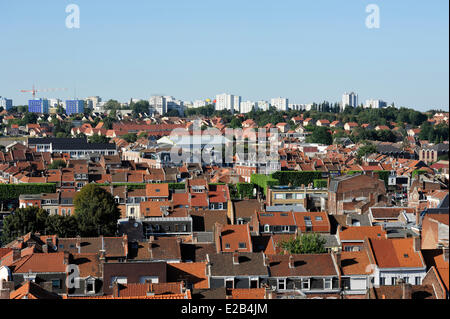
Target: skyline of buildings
(162, 104)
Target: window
(406, 279)
(418, 280)
(229, 283)
(227, 246)
(393, 281)
(285, 229)
(242, 246)
(382, 281)
(90, 286)
(56, 283)
(119, 280)
(318, 218)
(148, 280)
(266, 228)
(305, 284)
(327, 283)
(253, 282)
(281, 284)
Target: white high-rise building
(158, 104)
(247, 106)
(281, 104)
(375, 104)
(228, 102)
(93, 102)
(262, 105)
(199, 103)
(349, 99)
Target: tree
(236, 122)
(320, 135)
(23, 221)
(366, 150)
(112, 105)
(130, 137)
(96, 211)
(305, 244)
(57, 164)
(140, 107)
(63, 226)
(98, 139)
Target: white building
(247, 106)
(280, 103)
(92, 102)
(158, 104)
(375, 104)
(199, 103)
(262, 105)
(349, 99)
(228, 102)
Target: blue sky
(308, 51)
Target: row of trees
(96, 213)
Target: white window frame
(228, 280)
(267, 228)
(325, 280)
(307, 282)
(281, 281)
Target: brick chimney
(445, 254)
(406, 291)
(16, 254)
(66, 258)
(417, 244)
(235, 258)
(5, 288)
(348, 220)
(291, 262)
(217, 236)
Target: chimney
(16, 254)
(47, 285)
(150, 248)
(265, 260)
(417, 244)
(217, 236)
(338, 258)
(406, 291)
(445, 251)
(235, 258)
(102, 255)
(291, 262)
(5, 288)
(348, 220)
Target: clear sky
(308, 51)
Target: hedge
(263, 181)
(297, 179)
(320, 183)
(245, 190)
(13, 191)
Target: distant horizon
(302, 50)
(213, 97)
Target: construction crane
(34, 91)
